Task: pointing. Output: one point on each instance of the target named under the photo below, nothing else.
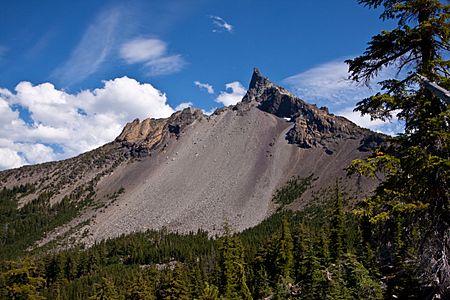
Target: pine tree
(233, 283)
(417, 163)
(314, 281)
(337, 227)
(175, 284)
(23, 281)
(105, 290)
(284, 257)
(210, 292)
(360, 284)
(139, 289)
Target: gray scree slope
(193, 171)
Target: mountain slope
(193, 171)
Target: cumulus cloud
(9, 159)
(206, 86)
(328, 85)
(152, 53)
(74, 122)
(220, 24)
(230, 98)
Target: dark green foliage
(210, 292)
(174, 284)
(22, 281)
(337, 227)
(21, 227)
(232, 279)
(139, 288)
(282, 258)
(417, 163)
(105, 290)
(292, 190)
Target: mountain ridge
(192, 171)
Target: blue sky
(74, 72)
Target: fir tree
(105, 290)
(210, 292)
(417, 163)
(233, 283)
(337, 227)
(139, 289)
(284, 256)
(23, 281)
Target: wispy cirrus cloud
(153, 54)
(328, 85)
(3, 51)
(95, 46)
(205, 86)
(221, 25)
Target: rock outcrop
(141, 137)
(314, 127)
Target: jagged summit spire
(258, 79)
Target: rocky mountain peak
(258, 80)
(313, 126)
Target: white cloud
(153, 54)
(165, 65)
(95, 46)
(209, 112)
(142, 50)
(183, 105)
(329, 82)
(392, 127)
(75, 122)
(230, 98)
(327, 85)
(209, 88)
(9, 159)
(220, 24)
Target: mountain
(192, 171)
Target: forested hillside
(322, 252)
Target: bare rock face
(141, 137)
(314, 127)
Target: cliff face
(192, 171)
(313, 127)
(141, 137)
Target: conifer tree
(210, 292)
(139, 289)
(175, 284)
(284, 257)
(233, 283)
(361, 285)
(417, 163)
(337, 226)
(23, 281)
(105, 290)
